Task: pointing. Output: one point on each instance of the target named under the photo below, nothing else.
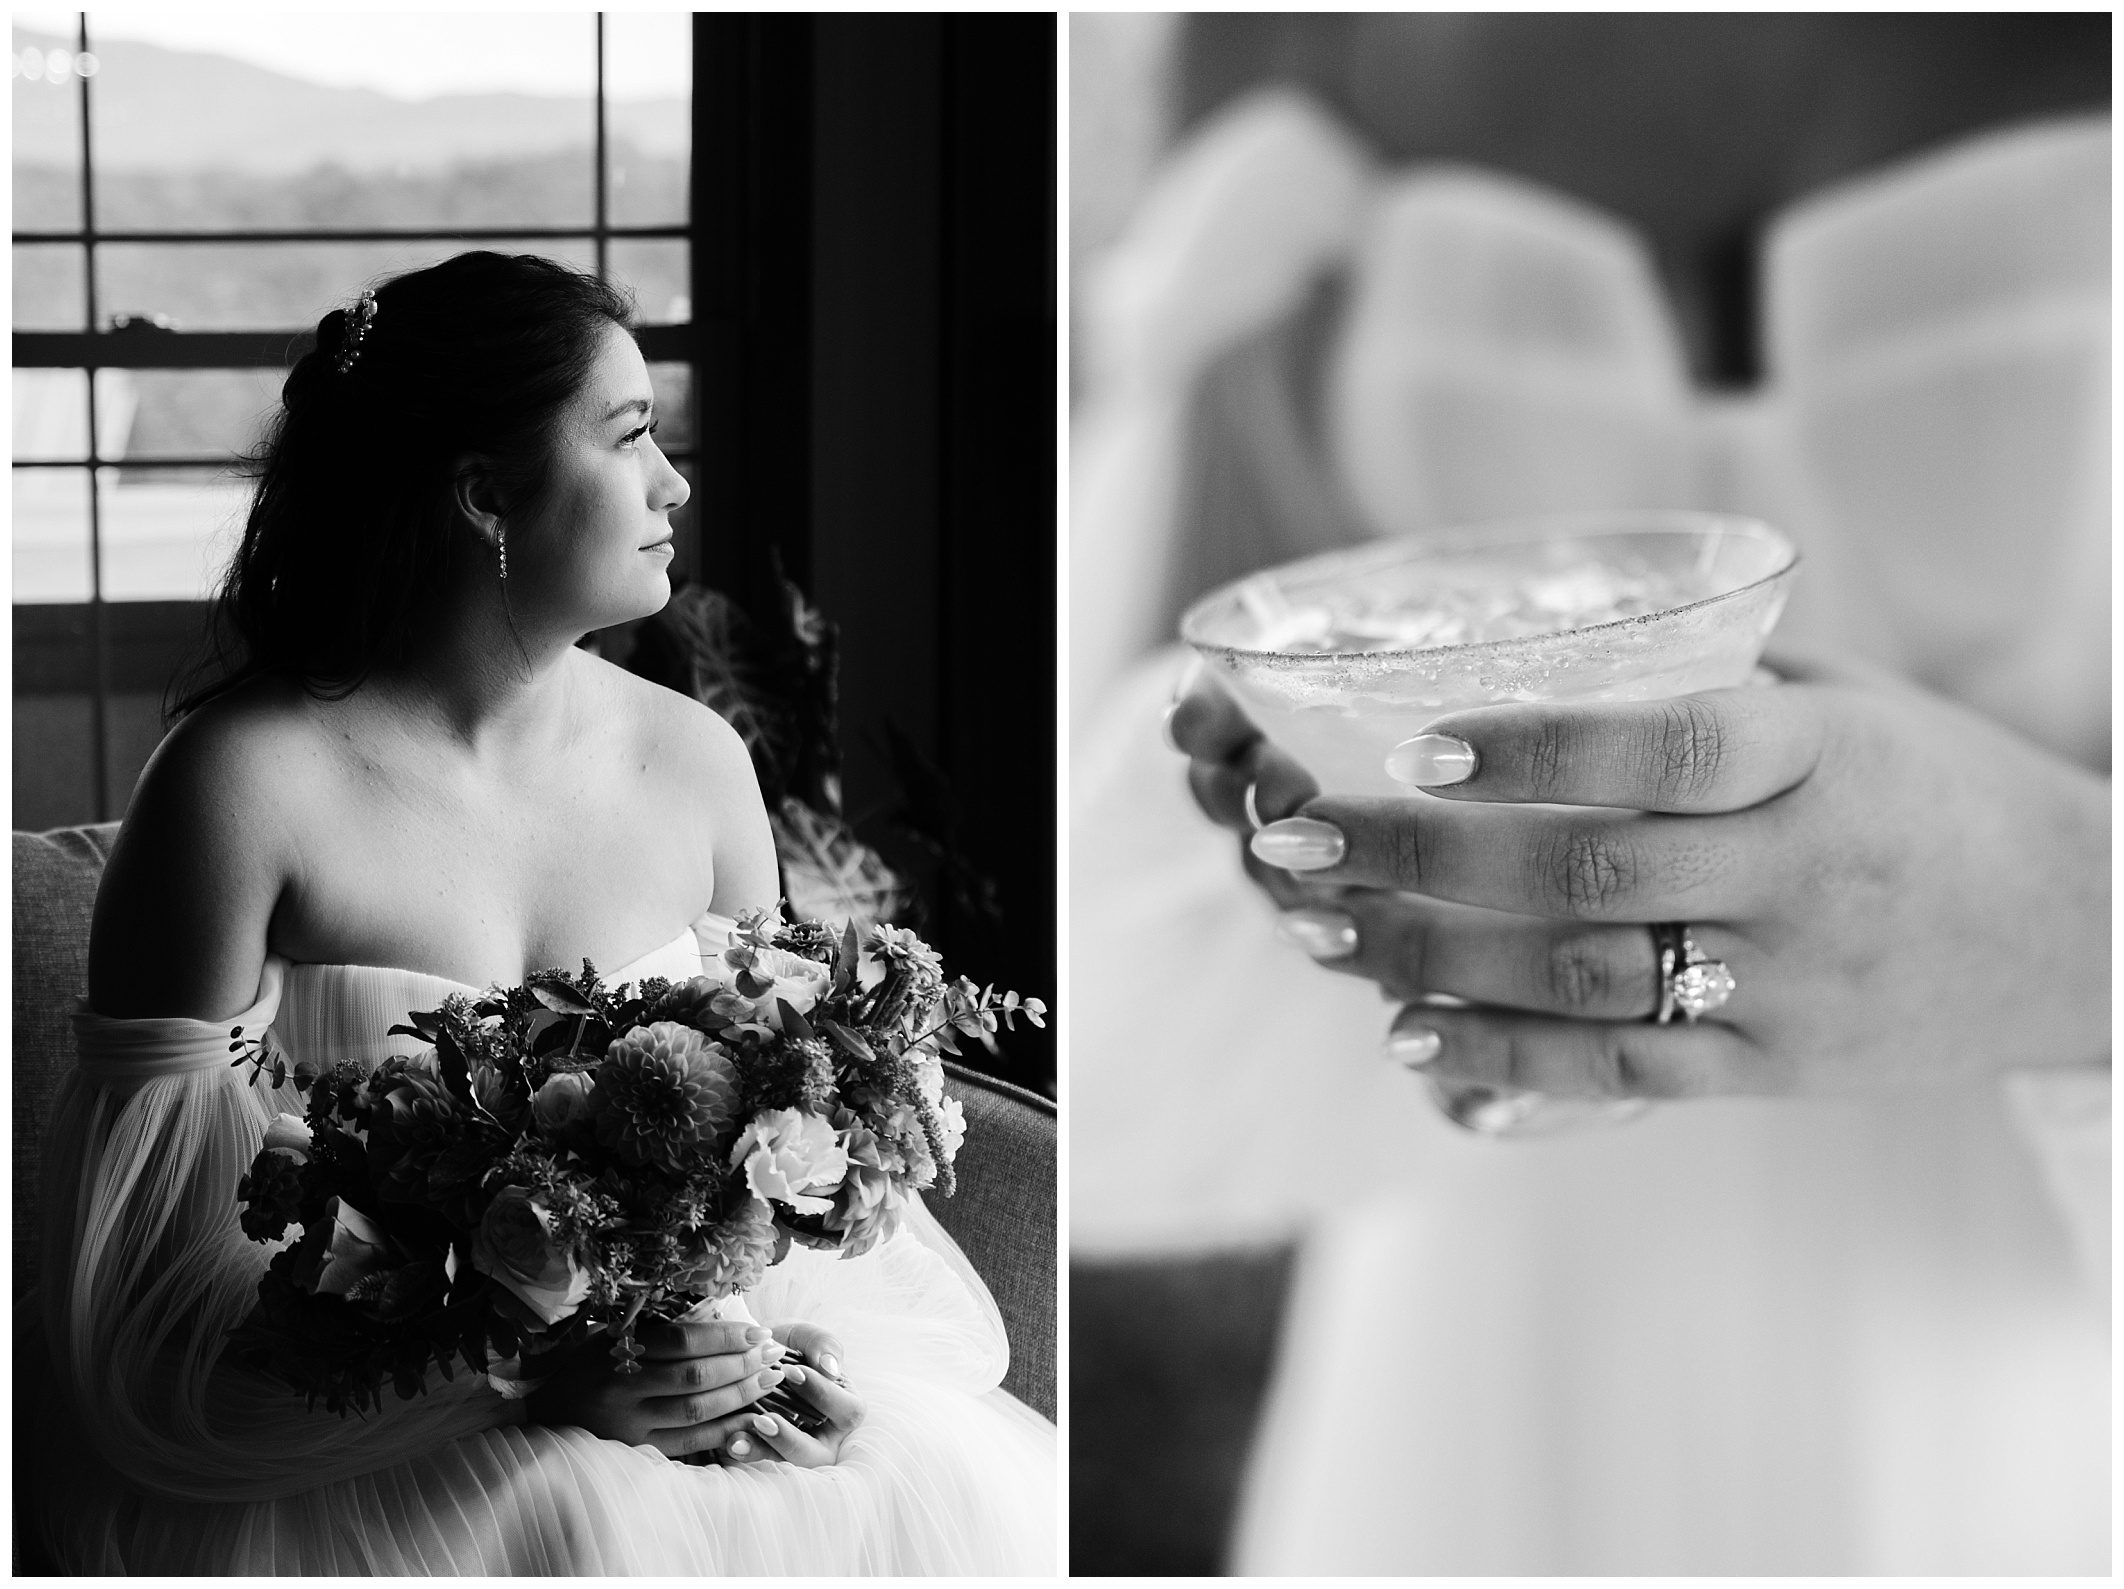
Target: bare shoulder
(667, 731)
(699, 765)
(205, 853)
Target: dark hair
(354, 532)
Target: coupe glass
(1341, 657)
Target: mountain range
(158, 109)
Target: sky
(417, 55)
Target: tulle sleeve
(911, 1305)
(147, 1272)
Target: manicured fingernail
(1323, 934)
(1300, 844)
(1181, 686)
(793, 1374)
(774, 1351)
(1414, 1046)
(1430, 760)
(756, 1336)
(770, 1377)
(831, 1368)
(740, 1446)
(765, 1425)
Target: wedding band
(1691, 983)
(1253, 811)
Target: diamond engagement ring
(1691, 983)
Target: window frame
(141, 345)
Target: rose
(761, 979)
(289, 1134)
(565, 1101)
(516, 1247)
(792, 1157)
(357, 1247)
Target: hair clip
(358, 319)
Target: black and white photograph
(1077, 793)
(535, 766)
(1588, 734)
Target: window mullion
(99, 634)
(599, 220)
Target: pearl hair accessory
(358, 319)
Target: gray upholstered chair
(1003, 1215)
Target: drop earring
(501, 552)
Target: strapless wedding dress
(1743, 1336)
(161, 1460)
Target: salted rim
(1476, 537)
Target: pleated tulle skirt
(946, 1474)
(935, 1481)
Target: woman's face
(598, 548)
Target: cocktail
(1339, 658)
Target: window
(191, 194)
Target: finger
(1574, 865)
(1280, 786)
(682, 1376)
(840, 1405)
(1724, 750)
(790, 1443)
(1585, 1059)
(661, 1341)
(731, 1435)
(1290, 890)
(1204, 723)
(1414, 948)
(821, 1348)
(683, 1412)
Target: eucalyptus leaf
(561, 998)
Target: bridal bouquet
(565, 1159)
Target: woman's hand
(1902, 890)
(818, 1380)
(689, 1394)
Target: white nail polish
(740, 1446)
(1415, 1048)
(1300, 844)
(1430, 761)
(1323, 934)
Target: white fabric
(167, 1461)
(1733, 1338)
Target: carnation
(867, 1209)
(791, 1157)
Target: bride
(417, 783)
